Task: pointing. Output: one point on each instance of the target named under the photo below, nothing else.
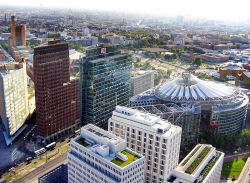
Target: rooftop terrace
(209, 166)
(198, 160)
(130, 159)
(111, 148)
(197, 164)
(82, 142)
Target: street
(32, 177)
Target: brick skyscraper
(18, 36)
(57, 94)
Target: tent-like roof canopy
(188, 87)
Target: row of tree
(230, 143)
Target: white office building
(98, 156)
(202, 165)
(142, 81)
(157, 139)
(14, 106)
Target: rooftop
(196, 165)
(155, 50)
(188, 87)
(146, 121)
(130, 158)
(141, 72)
(82, 142)
(209, 166)
(98, 134)
(75, 55)
(198, 160)
(112, 57)
(9, 68)
(143, 118)
(106, 145)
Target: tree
(197, 61)
(147, 65)
(4, 46)
(169, 72)
(245, 136)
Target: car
(29, 158)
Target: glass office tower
(105, 82)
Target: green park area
(233, 168)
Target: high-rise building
(105, 82)
(99, 156)
(142, 81)
(187, 117)
(5, 19)
(57, 93)
(202, 165)
(14, 108)
(158, 140)
(13, 31)
(18, 35)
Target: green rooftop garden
(198, 160)
(233, 168)
(131, 159)
(194, 151)
(82, 142)
(209, 167)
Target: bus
(51, 146)
(40, 151)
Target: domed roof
(188, 87)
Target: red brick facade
(57, 97)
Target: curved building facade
(223, 107)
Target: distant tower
(13, 31)
(5, 19)
(18, 35)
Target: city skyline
(217, 10)
(124, 92)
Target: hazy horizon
(227, 10)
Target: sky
(229, 10)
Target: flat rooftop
(196, 165)
(110, 147)
(143, 118)
(107, 57)
(155, 50)
(101, 135)
(149, 122)
(9, 68)
(141, 73)
(195, 158)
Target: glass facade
(105, 82)
(230, 122)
